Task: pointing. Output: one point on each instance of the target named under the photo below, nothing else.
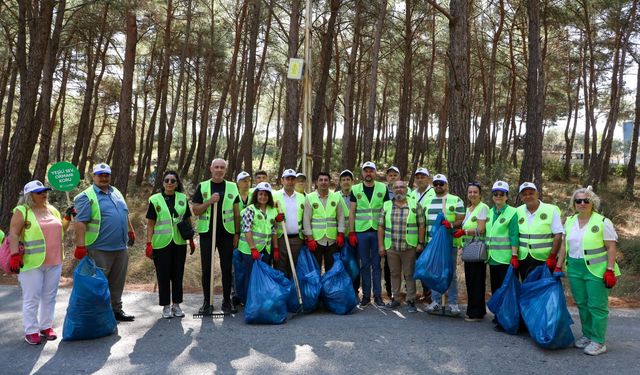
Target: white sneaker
(433, 306)
(177, 311)
(582, 342)
(595, 348)
(166, 312)
(455, 309)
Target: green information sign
(63, 176)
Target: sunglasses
(438, 183)
(498, 194)
(476, 184)
(582, 201)
(170, 180)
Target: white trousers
(39, 290)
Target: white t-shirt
(291, 211)
(482, 215)
(574, 240)
(556, 223)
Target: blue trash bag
(308, 272)
(89, 313)
(504, 303)
(267, 295)
(338, 295)
(349, 257)
(241, 275)
(544, 309)
(435, 266)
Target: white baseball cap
(288, 173)
(500, 186)
(242, 175)
(423, 171)
(34, 186)
(393, 168)
(346, 172)
(101, 168)
(300, 174)
(264, 186)
(527, 185)
(369, 164)
(441, 178)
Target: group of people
(382, 221)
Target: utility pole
(307, 157)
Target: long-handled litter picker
(293, 267)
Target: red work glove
(132, 238)
(280, 217)
(255, 254)
(610, 279)
(312, 245)
(446, 224)
(514, 262)
(340, 240)
(149, 251)
(353, 239)
(551, 262)
(15, 262)
(276, 254)
(81, 252)
(192, 246)
(458, 233)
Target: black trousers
(325, 254)
(169, 262)
(224, 244)
(497, 274)
(387, 276)
(475, 274)
(527, 265)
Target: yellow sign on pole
(296, 68)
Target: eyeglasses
(170, 180)
(438, 183)
(498, 194)
(582, 200)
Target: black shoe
(228, 308)
(235, 301)
(205, 309)
(393, 304)
(121, 316)
(365, 302)
(378, 301)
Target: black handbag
(185, 229)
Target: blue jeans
(453, 287)
(369, 263)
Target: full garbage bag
(349, 257)
(504, 303)
(89, 313)
(435, 266)
(241, 271)
(308, 272)
(338, 295)
(544, 309)
(267, 295)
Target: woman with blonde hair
(589, 253)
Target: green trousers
(592, 298)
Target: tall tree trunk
(367, 142)
(402, 141)
(633, 148)
(348, 138)
(290, 134)
(6, 132)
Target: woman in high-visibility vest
(39, 227)
(589, 253)
(165, 244)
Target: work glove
(353, 239)
(551, 262)
(280, 217)
(458, 233)
(132, 238)
(340, 240)
(312, 245)
(276, 254)
(15, 262)
(149, 251)
(255, 254)
(192, 246)
(514, 262)
(81, 252)
(610, 279)
(69, 213)
(446, 224)
(557, 269)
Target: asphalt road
(370, 341)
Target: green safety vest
(35, 244)
(278, 197)
(324, 220)
(1, 236)
(472, 223)
(241, 204)
(345, 208)
(166, 228)
(230, 195)
(411, 225)
(93, 226)
(431, 192)
(449, 213)
(367, 212)
(536, 239)
(497, 235)
(594, 250)
(261, 228)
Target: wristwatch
(609, 268)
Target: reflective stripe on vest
(411, 224)
(594, 250)
(472, 222)
(536, 238)
(93, 226)
(35, 245)
(323, 218)
(227, 219)
(261, 228)
(165, 228)
(497, 235)
(368, 212)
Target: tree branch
(441, 9)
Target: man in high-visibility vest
(290, 205)
(346, 182)
(301, 183)
(323, 221)
(243, 181)
(453, 209)
(423, 189)
(367, 199)
(208, 192)
(104, 230)
(392, 175)
(540, 229)
(260, 176)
